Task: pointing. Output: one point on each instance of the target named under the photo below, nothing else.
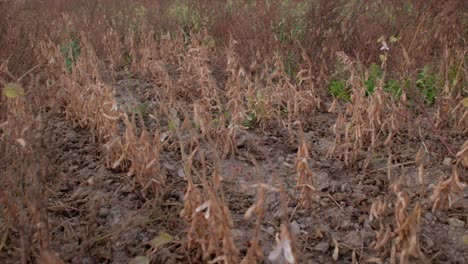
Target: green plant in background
(231, 5)
(299, 22)
(393, 87)
(127, 59)
(250, 121)
(338, 86)
(140, 108)
(375, 75)
(426, 85)
(71, 51)
(227, 117)
(455, 80)
(295, 30)
(291, 64)
(189, 17)
(143, 108)
(338, 90)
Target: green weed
(71, 51)
(190, 18)
(127, 59)
(250, 121)
(375, 76)
(338, 90)
(393, 87)
(295, 29)
(143, 108)
(426, 85)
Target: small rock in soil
(447, 161)
(295, 229)
(103, 212)
(322, 247)
(324, 202)
(324, 228)
(270, 230)
(126, 189)
(428, 216)
(454, 222)
(237, 234)
(345, 224)
(353, 239)
(180, 173)
(427, 242)
(340, 196)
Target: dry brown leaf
(336, 251)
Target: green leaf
(140, 260)
(13, 90)
(160, 240)
(393, 39)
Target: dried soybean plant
(419, 160)
(285, 250)
(446, 190)
(90, 103)
(204, 208)
(283, 96)
(156, 58)
(236, 86)
(353, 128)
(408, 227)
(172, 48)
(254, 253)
(452, 103)
(370, 119)
(378, 211)
(143, 154)
(405, 235)
(305, 177)
(307, 96)
(24, 168)
(196, 81)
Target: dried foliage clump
(369, 121)
(24, 168)
(208, 216)
(446, 191)
(404, 237)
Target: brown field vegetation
(240, 131)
